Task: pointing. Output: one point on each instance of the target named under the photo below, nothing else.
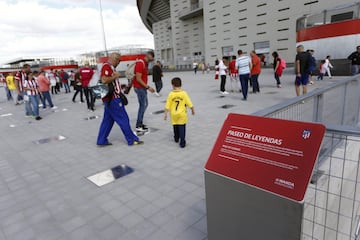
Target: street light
(103, 28)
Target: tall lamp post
(103, 28)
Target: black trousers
(179, 134)
(78, 89)
(223, 83)
(89, 98)
(159, 86)
(255, 83)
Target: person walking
(157, 78)
(328, 66)
(10, 83)
(65, 80)
(78, 87)
(177, 103)
(222, 72)
(20, 78)
(302, 70)
(322, 70)
(195, 67)
(243, 63)
(140, 84)
(278, 70)
(32, 92)
(52, 78)
(86, 73)
(114, 107)
(44, 88)
(255, 71)
(355, 61)
(234, 75)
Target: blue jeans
(143, 104)
(179, 134)
(67, 87)
(354, 69)
(34, 101)
(255, 83)
(28, 110)
(244, 81)
(115, 112)
(47, 97)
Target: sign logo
(306, 134)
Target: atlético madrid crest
(306, 134)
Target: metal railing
(332, 202)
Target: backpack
(130, 71)
(282, 63)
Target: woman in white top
(328, 66)
(222, 72)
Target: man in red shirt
(255, 71)
(234, 75)
(140, 84)
(114, 109)
(86, 74)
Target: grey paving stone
(44, 193)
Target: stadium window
(283, 39)
(242, 19)
(262, 5)
(261, 33)
(309, 3)
(283, 49)
(261, 14)
(242, 1)
(284, 9)
(242, 36)
(283, 19)
(244, 27)
(226, 15)
(226, 6)
(283, 29)
(242, 10)
(260, 24)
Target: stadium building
(189, 30)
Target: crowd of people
(30, 87)
(245, 70)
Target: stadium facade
(203, 30)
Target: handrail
(297, 100)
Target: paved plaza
(44, 190)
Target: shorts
(303, 80)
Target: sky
(66, 28)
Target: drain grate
(91, 118)
(110, 175)
(158, 112)
(227, 106)
(50, 139)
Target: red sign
(271, 154)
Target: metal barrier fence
(332, 202)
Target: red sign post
(271, 154)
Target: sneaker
(225, 93)
(54, 107)
(157, 94)
(244, 99)
(38, 118)
(279, 86)
(142, 129)
(136, 143)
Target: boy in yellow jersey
(177, 102)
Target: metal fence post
(318, 107)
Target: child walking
(177, 103)
(322, 70)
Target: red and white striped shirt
(32, 85)
(20, 77)
(108, 70)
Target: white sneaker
(157, 94)
(54, 107)
(225, 93)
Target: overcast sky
(35, 28)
